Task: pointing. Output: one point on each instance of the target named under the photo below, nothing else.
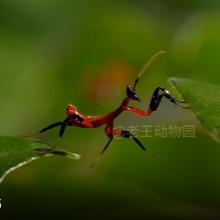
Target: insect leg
(156, 99)
(128, 134)
(66, 123)
(51, 126)
(106, 146)
(44, 129)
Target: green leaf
(16, 152)
(204, 100)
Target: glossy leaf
(16, 152)
(204, 100)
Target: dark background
(85, 52)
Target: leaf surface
(16, 152)
(204, 100)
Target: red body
(75, 118)
(95, 121)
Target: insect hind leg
(128, 134)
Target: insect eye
(78, 118)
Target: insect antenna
(146, 66)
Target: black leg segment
(51, 126)
(63, 124)
(156, 99)
(67, 122)
(111, 136)
(127, 134)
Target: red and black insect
(77, 119)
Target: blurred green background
(85, 52)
